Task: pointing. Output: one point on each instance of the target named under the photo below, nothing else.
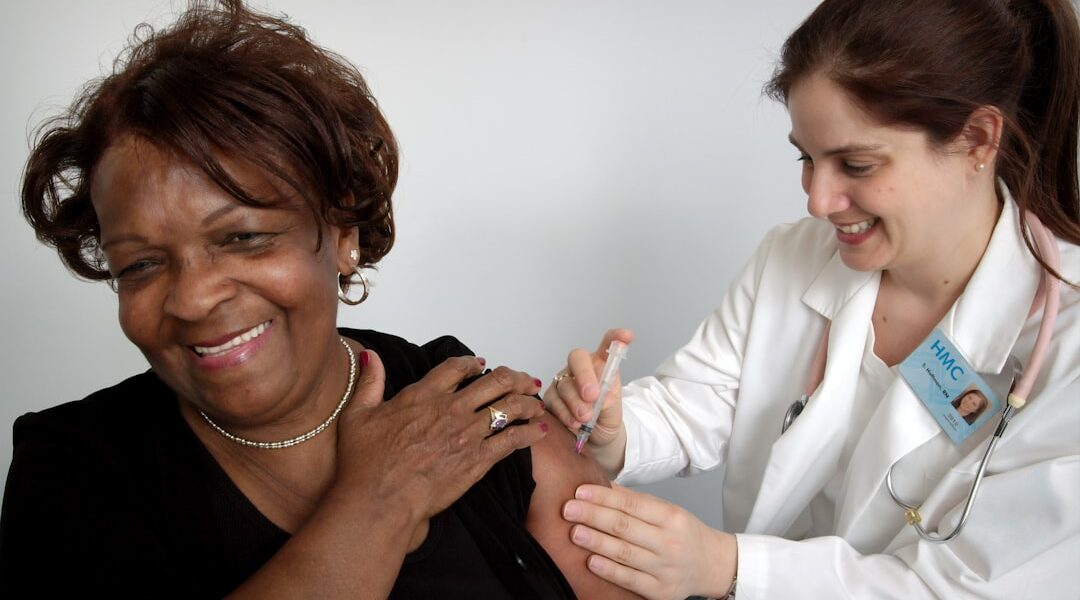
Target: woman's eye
(805, 158)
(135, 269)
(248, 238)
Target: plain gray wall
(567, 167)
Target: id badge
(958, 398)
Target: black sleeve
(510, 481)
(66, 527)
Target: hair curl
(221, 81)
(931, 63)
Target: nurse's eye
(805, 158)
(858, 168)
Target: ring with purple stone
(499, 419)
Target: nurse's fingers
(560, 397)
(625, 336)
(614, 523)
(648, 509)
(616, 549)
(582, 367)
(642, 584)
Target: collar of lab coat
(983, 323)
(987, 317)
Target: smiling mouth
(247, 336)
(858, 227)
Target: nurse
(929, 134)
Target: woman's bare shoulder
(558, 471)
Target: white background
(567, 167)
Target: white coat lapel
(805, 458)
(984, 323)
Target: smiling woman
(230, 179)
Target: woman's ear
(981, 137)
(348, 243)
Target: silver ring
(499, 419)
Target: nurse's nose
(196, 287)
(825, 194)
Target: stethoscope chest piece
(793, 413)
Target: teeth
(857, 227)
(247, 336)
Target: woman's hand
(650, 546)
(429, 445)
(571, 396)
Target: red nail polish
(544, 427)
(363, 359)
(538, 383)
(481, 360)
(543, 406)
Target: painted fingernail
(571, 510)
(580, 535)
(364, 359)
(538, 383)
(544, 427)
(481, 360)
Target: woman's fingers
(371, 382)
(515, 437)
(498, 383)
(498, 415)
(448, 375)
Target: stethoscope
(1048, 295)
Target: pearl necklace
(303, 437)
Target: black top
(114, 495)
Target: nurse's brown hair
(222, 81)
(931, 63)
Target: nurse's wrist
(611, 456)
(725, 560)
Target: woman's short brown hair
(222, 81)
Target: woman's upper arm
(558, 471)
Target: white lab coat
(720, 400)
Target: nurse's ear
(980, 138)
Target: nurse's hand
(649, 546)
(572, 393)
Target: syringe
(616, 352)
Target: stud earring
(354, 255)
(980, 167)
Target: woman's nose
(196, 287)
(824, 195)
